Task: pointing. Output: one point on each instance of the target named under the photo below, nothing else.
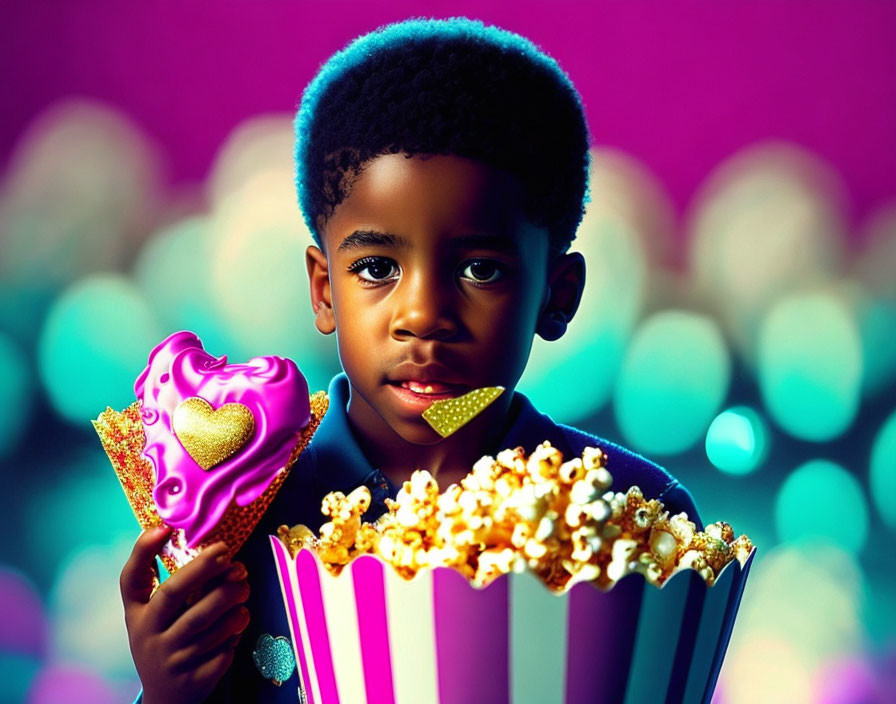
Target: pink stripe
(472, 634)
(286, 575)
(600, 639)
(316, 620)
(373, 628)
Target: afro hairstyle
(452, 87)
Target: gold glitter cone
(451, 414)
(122, 436)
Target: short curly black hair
(451, 86)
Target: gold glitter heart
(450, 414)
(211, 436)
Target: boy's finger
(224, 632)
(210, 609)
(170, 599)
(213, 668)
(139, 571)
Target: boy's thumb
(139, 573)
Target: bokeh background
(738, 326)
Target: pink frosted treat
(219, 436)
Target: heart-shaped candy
(450, 414)
(274, 658)
(212, 435)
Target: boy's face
(434, 282)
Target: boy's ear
(321, 296)
(566, 281)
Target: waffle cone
(122, 436)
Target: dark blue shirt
(333, 461)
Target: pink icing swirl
(272, 388)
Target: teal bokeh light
(877, 326)
(85, 604)
(573, 377)
(87, 500)
(260, 285)
(573, 386)
(17, 672)
(821, 499)
(674, 378)
(94, 343)
(810, 365)
(883, 471)
(737, 440)
(15, 394)
(173, 272)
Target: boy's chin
(418, 433)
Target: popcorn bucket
(371, 637)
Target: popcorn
(553, 517)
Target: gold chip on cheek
(210, 435)
(450, 414)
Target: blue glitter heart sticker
(274, 659)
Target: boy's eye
(483, 271)
(374, 269)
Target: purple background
(678, 85)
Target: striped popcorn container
(371, 637)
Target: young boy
(442, 167)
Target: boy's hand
(182, 639)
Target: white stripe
(412, 639)
(345, 638)
(537, 641)
(293, 584)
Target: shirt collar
(336, 450)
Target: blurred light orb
(821, 499)
(849, 680)
(877, 329)
(737, 440)
(883, 471)
(80, 189)
(876, 263)
(93, 345)
(767, 221)
(810, 365)
(17, 672)
(173, 271)
(879, 611)
(673, 380)
(260, 285)
(801, 610)
(70, 684)
(16, 389)
(86, 498)
(24, 629)
(573, 377)
(23, 305)
(628, 222)
(624, 190)
(87, 615)
(768, 670)
(263, 143)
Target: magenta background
(679, 85)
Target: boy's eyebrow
(374, 238)
(371, 238)
(500, 243)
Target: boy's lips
(417, 396)
(429, 387)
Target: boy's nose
(424, 311)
